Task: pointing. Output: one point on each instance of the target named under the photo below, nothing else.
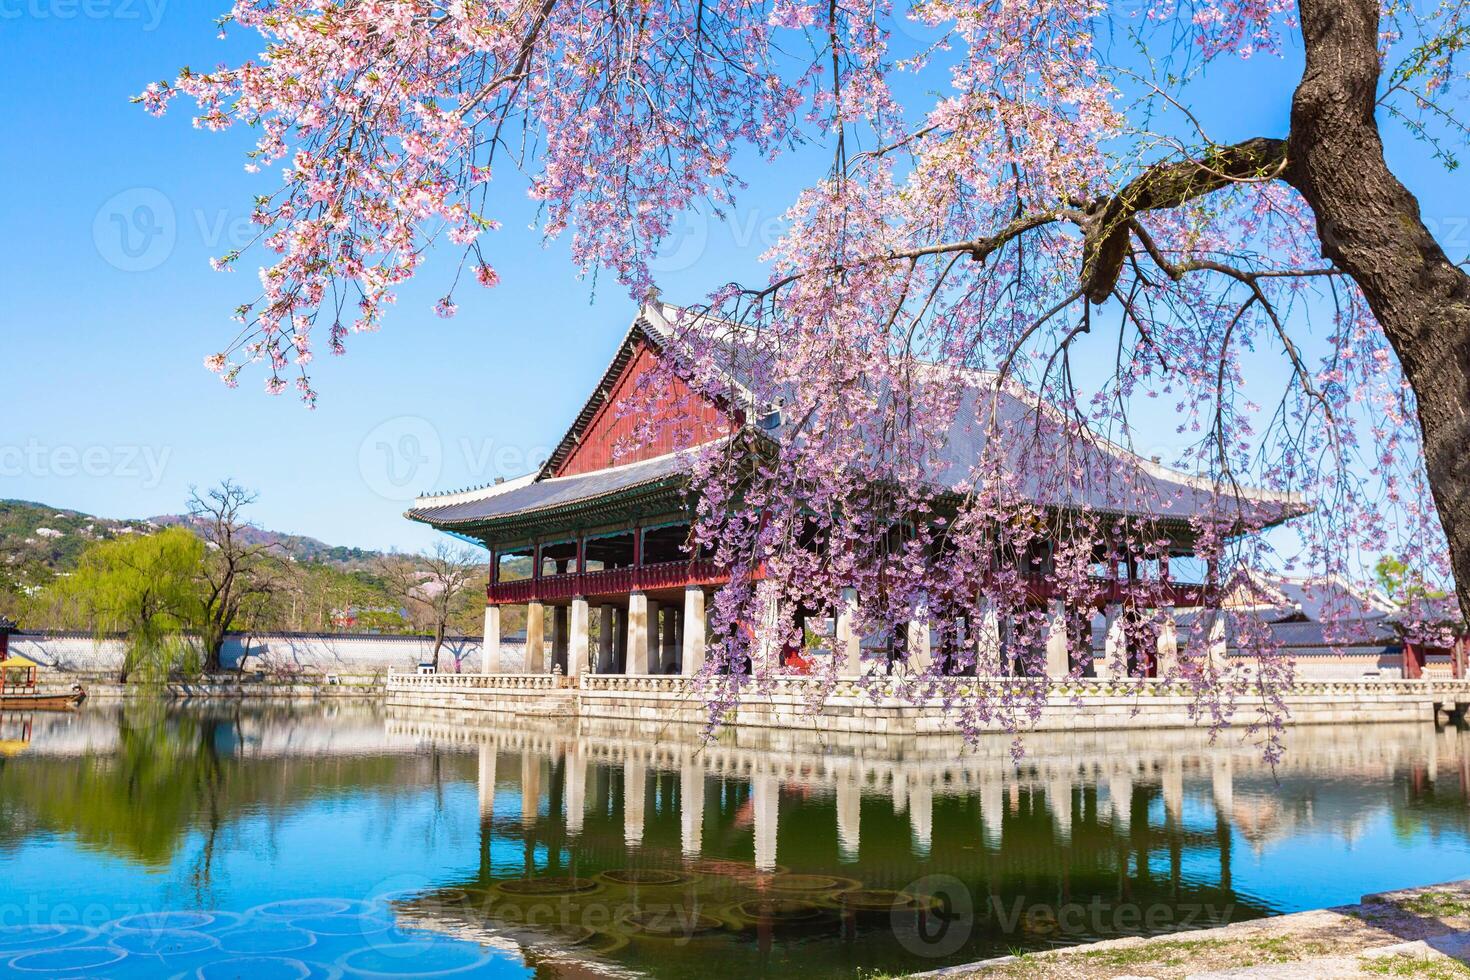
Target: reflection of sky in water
(341, 847)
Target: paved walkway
(1417, 933)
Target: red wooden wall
(685, 420)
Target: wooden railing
(611, 581)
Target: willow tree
(1061, 203)
(144, 587)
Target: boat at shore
(42, 700)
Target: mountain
(298, 547)
(38, 541)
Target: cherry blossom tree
(1059, 220)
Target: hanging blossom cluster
(386, 120)
(962, 330)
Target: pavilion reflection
(1150, 818)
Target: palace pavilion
(594, 533)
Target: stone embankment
(1414, 933)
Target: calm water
(355, 841)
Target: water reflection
(570, 845)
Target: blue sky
(108, 305)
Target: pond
(353, 840)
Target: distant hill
(296, 546)
(38, 541)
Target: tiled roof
(528, 495)
(1102, 477)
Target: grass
(1439, 905)
(1417, 967)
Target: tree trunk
(1371, 228)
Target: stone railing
(487, 682)
(809, 688)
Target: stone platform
(853, 706)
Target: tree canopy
(1029, 193)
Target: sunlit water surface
(356, 841)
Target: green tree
(145, 587)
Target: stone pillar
(1168, 644)
(1058, 663)
(559, 616)
(575, 795)
(1217, 650)
(637, 633)
(530, 788)
(694, 630)
(691, 807)
(535, 638)
(849, 641)
(578, 642)
(849, 816)
(1115, 644)
(766, 801)
(988, 651)
(490, 645)
(635, 789)
(606, 638)
(921, 816)
(920, 653)
(486, 783)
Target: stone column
(1167, 648)
(987, 643)
(535, 638)
(486, 784)
(766, 801)
(849, 641)
(691, 807)
(606, 637)
(575, 795)
(635, 789)
(694, 630)
(920, 653)
(490, 645)
(1115, 644)
(1057, 662)
(1217, 651)
(849, 816)
(578, 641)
(637, 633)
